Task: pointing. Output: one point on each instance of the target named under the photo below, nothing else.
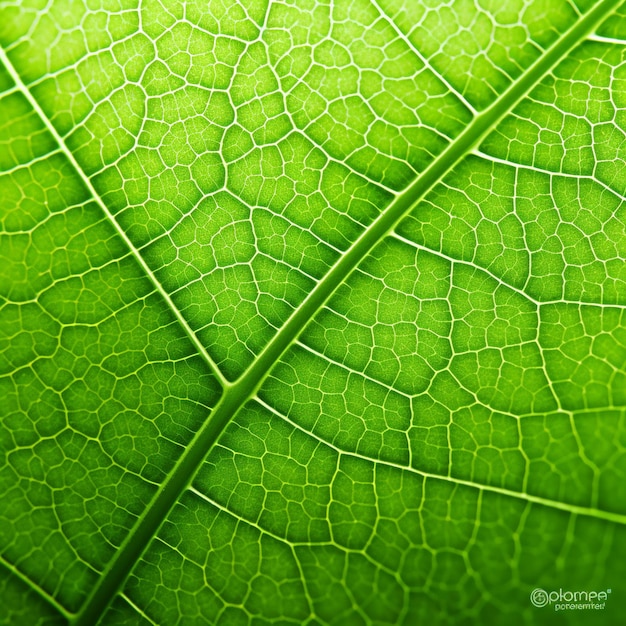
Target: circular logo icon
(539, 597)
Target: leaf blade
(253, 377)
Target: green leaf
(312, 312)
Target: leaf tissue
(312, 312)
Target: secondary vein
(23, 89)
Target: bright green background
(444, 436)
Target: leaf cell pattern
(311, 312)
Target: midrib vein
(237, 394)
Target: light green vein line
(283, 540)
(237, 394)
(291, 544)
(439, 76)
(469, 264)
(139, 611)
(103, 207)
(573, 509)
(36, 588)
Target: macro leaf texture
(312, 312)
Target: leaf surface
(311, 312)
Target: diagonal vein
(23, 89)
(550, 503)
(36, 588)
(406, 39)
(238, 393)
